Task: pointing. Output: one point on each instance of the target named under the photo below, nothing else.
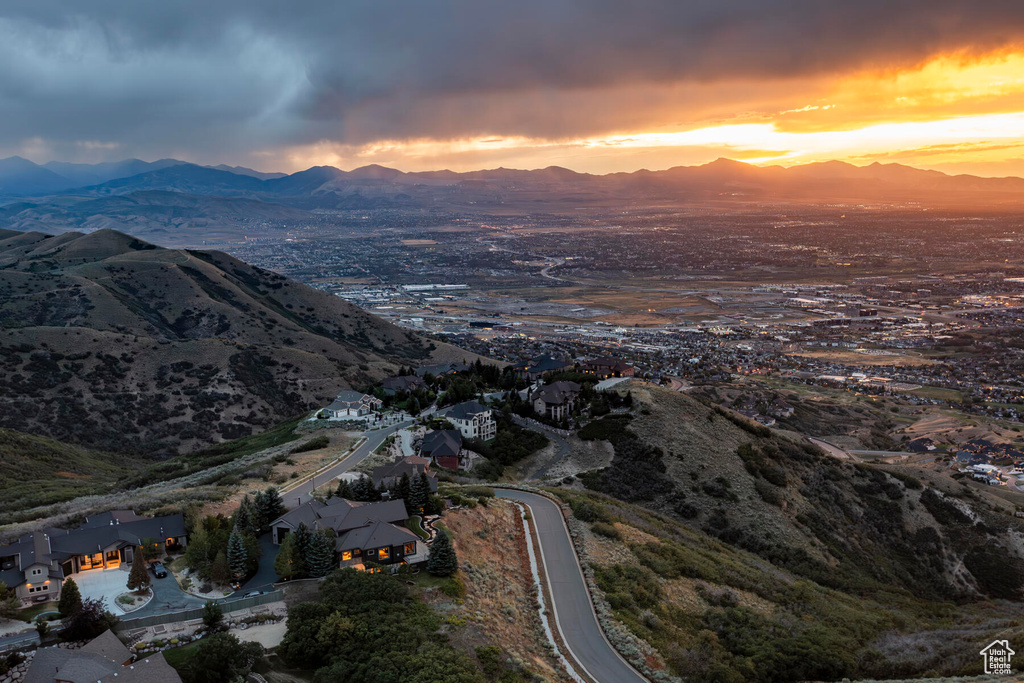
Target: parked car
(253, 594)
(158, 570)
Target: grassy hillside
(846, 525)
(117, 344)
(36, 471)
(717, 613)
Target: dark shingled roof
(466, 410)
(442, 443)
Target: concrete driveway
(265, 576)
(105, 585)
(167, 597)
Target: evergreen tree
(245, 516)
(220, 571)
(138, 577)
(286, 564)
(238, 558)
(303, 540)
(269, 507)
(213, 616)
(419, 492)
(70, 598)
(197, 554)
(344, 490)
(442, 560)
(363, 491)
(320, 559)
(413, 406)
(404, 487)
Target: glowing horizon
(957, 113)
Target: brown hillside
(115, 343)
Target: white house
(473, 420)
(353, 404)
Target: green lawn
(416, 526)
(178, 657)
(29, 614)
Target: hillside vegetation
(117, 344)
(36, 471)
(717, 613)
(849, 526)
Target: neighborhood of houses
(369, 534)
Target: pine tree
(344, 490)
(303, 539)
(220, 571)
(363, 491)
(442, 560)
(70, 598)
(404, 488)
(419, 492)
(138, 578)
(238, 558)
(245, 516)
(286, 564)
(268, 507)
(320, 558)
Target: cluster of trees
(511, 444)
(138, 577)
(82, 619)
(221, 657)
(306, 554)
(414, 491)
(226, 549)
(368, 628)
(9, 602)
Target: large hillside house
(556, 400)
(606, 367)
(403, 383)
(444, 448)
(353, 405)
(103, 659)
(413, 465)
(36, 564)
(537, 367)
(366, 532)
(473, 420)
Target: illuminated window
(383, 553)
(346, 555)
(410, 548)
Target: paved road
(574, 613)
(265, 576)
(301, 493)
(167, 597)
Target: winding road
(574, 613)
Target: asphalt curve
(574, 613)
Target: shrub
(454, 587)
(606, 530)
(313, 444)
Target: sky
(592, 85)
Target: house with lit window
(36, 564)
(365, 532)
(605, 367)
(473, 420)
(353, 405)
(556, 400)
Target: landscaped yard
(29, 614)
(415, 524)
(178, 657)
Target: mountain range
(722, 179)
(114, 343)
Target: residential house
(403, 383)
(606, 366)
(390, 474)
(442, 369)
(365, 532)
(104, 659)
(537, 367)
(36, 564)
(444, 448)
(353, 405)
(781, 409)
(473, 420)
(556, 400)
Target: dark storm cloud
(223, 77)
